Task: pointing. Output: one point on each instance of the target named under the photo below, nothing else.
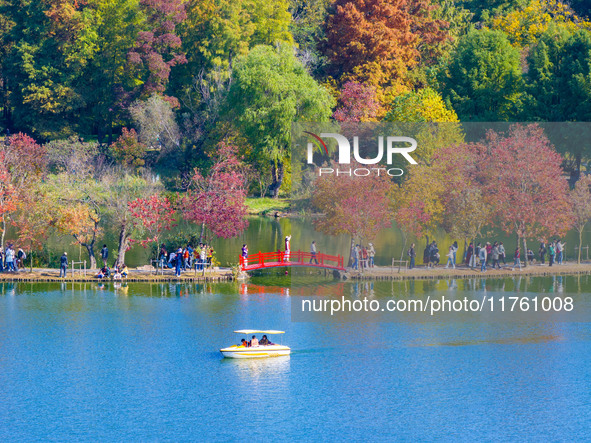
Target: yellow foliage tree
(424, 115)
(524, 26)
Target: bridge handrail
(294, 257)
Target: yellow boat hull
(255, 352)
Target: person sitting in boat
(244, 343)
(265, 341)
(254, 341)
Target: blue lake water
(89, 363)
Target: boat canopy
(257, 331)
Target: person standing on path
(495, 256)
(10, 259)
(412, 254)
(371, 251)
(105, 255)
(551, 253)
(517, 257)
(559, 251)
(178, 262)
(63, 264)
(245, 255)
(450, 258)
(287, 247)
(313, 252)
(482, 255)
(502, 254)
(542, 252)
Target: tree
(378, 41)
(107, 77)
(558, 88)
(525, 25)
(217, 201)
(581, 201)
(353, 205)
(424, 105)
(446, 192)
(7, 194)
(74, 157)
(482, 80)
(32, 220)
(430, 121)
(156, 121)
(270, 90)
(82, 221)
(152, 216)
(126, 188)
(216, 32)
(25, 161)
(158, 48)
(307, 28)
(410, 220)
(357, 102)
(128, 150)
(74, 207)
(524, 183)
(49, 45)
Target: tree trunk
(3, 231)
(123, 244)
(580, 245)
(402, 252)
(350, 262)
(525, 250)
(31, 259)
(277, 173)
(202, 233)
(465, 250)
(90, 249)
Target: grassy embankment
(266, 205)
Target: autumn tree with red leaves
(377, 40)
(216, 201)
(354, 205)
(152, 216)
(581, 201)
(7, 194)
(357, 103)
(525, 184)
(158, 49)
(24, 162)
(128, 150)
(31, 221)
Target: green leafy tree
(483, 78)
(270, 90)
(47, 45)
(217, 31)
(558, 88)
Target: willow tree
(270, 90)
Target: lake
(92, 362)
(267, 234)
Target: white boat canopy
(256, 331)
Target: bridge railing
(281, 258)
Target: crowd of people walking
(490, 255)
(187, 258)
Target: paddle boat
(260, 351)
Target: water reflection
(257, 372)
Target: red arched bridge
(278, 259)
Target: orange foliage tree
(376, 41)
